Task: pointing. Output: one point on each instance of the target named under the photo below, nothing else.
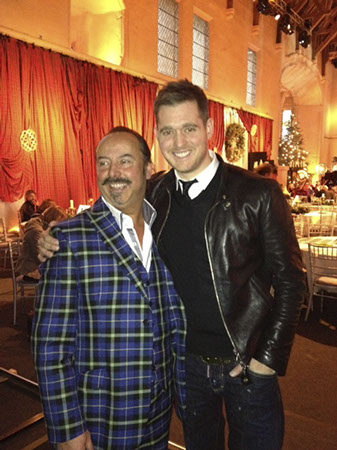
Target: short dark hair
(54, 212)
(266, 169)
(182, 91)
(30, 191)
(142, 142)
(45, 204)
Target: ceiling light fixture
(304, 38)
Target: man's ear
(149, 170)
(210, 127)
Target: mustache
(116, 180)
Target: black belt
(217, 359)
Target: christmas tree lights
(291, 151)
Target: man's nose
(115, 170)
(180, 139)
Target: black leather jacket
(255, 262)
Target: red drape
(70, 105)
(262, 140)
(216, 111)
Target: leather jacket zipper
(239, 360)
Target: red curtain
(133, 104)
(70, 105)
(262, 139)
(216, 111)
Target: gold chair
(322, 274)
(20, 284)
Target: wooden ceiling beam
(320, 7)
(327, 40)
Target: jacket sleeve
(283, 259)
(54, 345)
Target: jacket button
(146, 322)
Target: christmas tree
(291, 151)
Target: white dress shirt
(125, 222)
(204, 178)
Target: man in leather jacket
(229, 241)
(231, 247)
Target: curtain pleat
(216, 111)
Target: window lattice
(200, 69)
(251, 78)
(168, 37)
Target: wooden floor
(309, 388)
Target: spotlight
(304, 38)
(263, 7)
(277, 16)
(286, 25)
(308, 24)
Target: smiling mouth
(182, 154)
(117, 186)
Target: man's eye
(125, 162)
(166, 132)
(103, 163)
(190, 129)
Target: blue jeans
(254, 412)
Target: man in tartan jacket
(109, 328)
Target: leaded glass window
(251, 78)
(168, 37)
(200, 69)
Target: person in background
(228, 238)
(29, 207)
(109, 327)
(28, 261)
(267, 170)
(43, 206)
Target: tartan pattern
(101, 322)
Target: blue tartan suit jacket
(93, 334)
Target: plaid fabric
(99, 328)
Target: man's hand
(82, 442)
(47, 245)
(255, 366)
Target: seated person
(29, 207)
(44, 205)
(28, 262)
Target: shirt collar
(148, 211)
(204, 177)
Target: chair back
(323, 261)
(3, 230)
(18, 281)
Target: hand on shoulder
(47, 245)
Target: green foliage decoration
(234, 142)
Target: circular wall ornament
(253, 130)
(28, 140)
